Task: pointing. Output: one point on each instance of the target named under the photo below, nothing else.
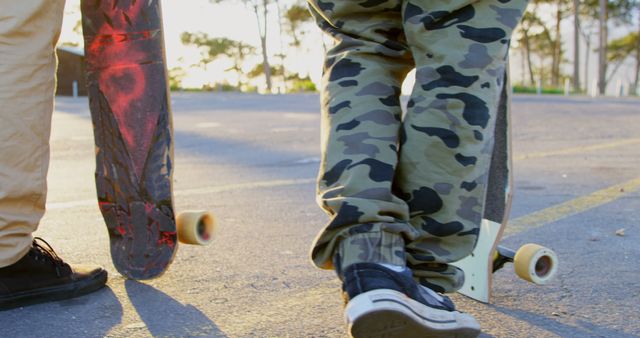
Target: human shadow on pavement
(585, 328)
(92, 315)
(165, 317)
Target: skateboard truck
(532, 262)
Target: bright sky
(231, 20)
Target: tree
(636, 81)
(261, 10)
(543, 45)
(543, 38)
(587, 35)
(176, 75)
(529, 21)
(301, 84)
(537, 41)
(576, 45)
(620, 49)
(541, 42)
(213, 48)
(290, 23)
(562, 8)
(602, 47)
(296, 15)
(259, 71)
(298, 83)
(604, 11)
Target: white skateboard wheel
(195, 227)
(535, 263)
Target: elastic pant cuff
(371, 247)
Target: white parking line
(194, 191)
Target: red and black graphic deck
(130, 109)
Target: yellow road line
(577, 150)
(572, 207)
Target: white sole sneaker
(387, 313)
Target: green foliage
(534, 90)
(176, 75)
(299, 84)
(261, 9)
(213, 48)
(620, 49)
(298, 13)
(220, 87)
(537, 41)
(258, 71)
(295, 16)
(619, 10)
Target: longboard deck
(478, 267)
(129, 103)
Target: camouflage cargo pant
(409, 189)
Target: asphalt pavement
(252, 161)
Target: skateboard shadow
(166, 317)
(92, 315)
(582, 328)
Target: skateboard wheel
(535, 263)
(195, 227)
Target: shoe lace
(44, 250)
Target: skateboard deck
(533, 263)
(132, 122)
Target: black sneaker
(383, 302)
(41, 276)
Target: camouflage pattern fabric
(409, 188)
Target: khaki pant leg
(460, 48)
(28, 33)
